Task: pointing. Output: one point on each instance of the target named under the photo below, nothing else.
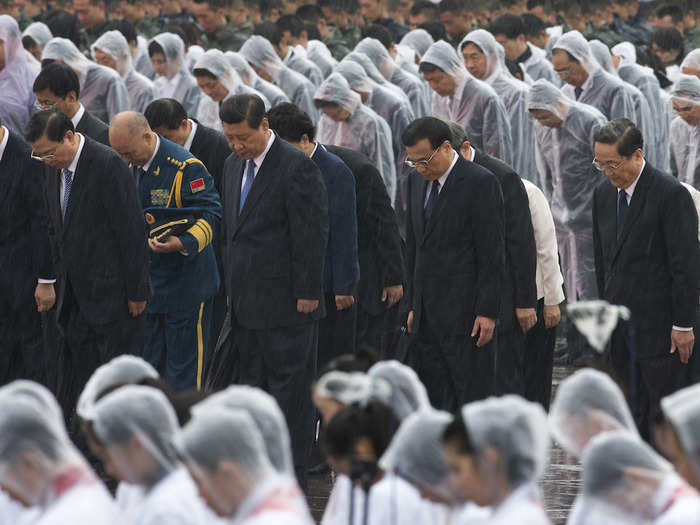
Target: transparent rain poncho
(419, 40)
(625, 482)
(409, 84)
(39, 32)
(406, 59)
(517, 430)
(586, 404)
(192, 55)
(475, 105)
(397, 112)
(407, 394)
(539, 66)
(140, 88)
(685, 138)
(415, 452)
(374, 73)
(248, 75)
(603, 91)
(142, 62)
(656, 151)
(296, 61)
(258, 51)
(102, 90)
(364, 130)
(348, 388)
(217, 64)
(60, 484)
(691, 61)
(124, 369)
(513, 94)
(682, 411)
(178, 82)
(568, 179)
(16, 79)
(319, 54)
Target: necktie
(577, 92)
(67, 183)
(432, 199)
(249, 176)
(622, 207)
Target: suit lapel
(636, 206)
(442, 197)
(77, 185)
(235, 191)
(419, 186)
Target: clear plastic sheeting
(363, 129)
(685, 137)
(374, 73)
(474, 105)
(596, 320)
(350, 388)
(625, 482)
(177, 82)
(682, 411)
(587, 404)
(39, 32)
(248, 75)
(319, 54)
(574, 43)
(258, 51)
(125, 369)
(691, 61)
(415, 452)
(215, 62)
(140, 88)
(16, 79)
(407, 393)
(513, 94)
(419, 40)
(102, 90)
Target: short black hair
(435, 28)
(290, 122)
(622, 132)
(531, 4)
(312, 32)
(166, 112)
(424, 7)
(269, 30)
(674, 11)
(310, 13)
(268, 5)
(427, 67)
(201, 72)
(435, 130)
(534, 25)
(59, 79)
(213, 4)
(28, 42)
(452, 6)
(292, 23)
(456, 435)
(125, 27)
(239, 108)
(458, 135)
(51, 122)
(379, 32)
(375, 421)
(509, 25)
(364, 358)
(571, 57)
(154, 48)
(667, 38)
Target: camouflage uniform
(228, 38)
(336, 44)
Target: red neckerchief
(681, 491)
(277, 501)
(70, 478)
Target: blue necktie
(577, 92)
(622, 207)
(67, 183)
(432, 199)
(249, 176)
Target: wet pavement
(560, 484)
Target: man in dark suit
(97, 232)
(274, 231)
(341, 270)
(26, 267)
(57, 86)
(519, 291)
(381, 257)
(456, 263)
(647, 258)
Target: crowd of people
(245, 240)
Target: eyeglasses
(44, 157)
(608, 166)
(421, 163)
(684, 109)
(43, 107)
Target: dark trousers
(87, 346)
(177, 344)
(452, 368)
(539, 360)
(381, 332)
(22, 354)
(646, 380)
(510, 361)
(336, 332)
(282, 361)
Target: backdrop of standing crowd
(235, 234)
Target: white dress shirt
(257, 161)
(190, 137)
(442, 179)
(548, 274)
(3, 143)
(73, 165)
(78, 115)
(155, 151)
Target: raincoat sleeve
(496, 134)
(117, 99)
(379, 149)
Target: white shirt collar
(74, 165)
(472, 154)
(630, 190)
(5, 138)
(190, 138)
(146, 166)
(444, 176)
(78, 115)
(312, 153)
(588, 81)
(259, 159)
(288, 56)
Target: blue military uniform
(175, 185)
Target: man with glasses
(647, 258)
(98, 236)
(685, 130)
(455, 246)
